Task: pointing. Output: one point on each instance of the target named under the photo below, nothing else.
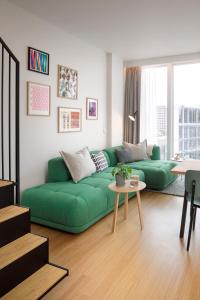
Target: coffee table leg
(140, 209)
(126, 206)
(115, 212)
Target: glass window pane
(187, 110)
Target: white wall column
(115, 98)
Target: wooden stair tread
(37, 284)
(18, 248)
(5, 183)
(10, 212)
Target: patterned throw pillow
(99, 161)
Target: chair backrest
(190, 177)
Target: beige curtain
(132, 105)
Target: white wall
(39, 138)
(115, 93)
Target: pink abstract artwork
(38, 99)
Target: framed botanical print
(69, 119)
(38, 61)
(67, 83)
(91, 109)
(38, 100)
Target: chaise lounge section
(157, 172)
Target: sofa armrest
(155, 153)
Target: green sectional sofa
(65, 205)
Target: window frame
(170, 98)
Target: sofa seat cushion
(157, 172)
(72, 207)
(65, 203)
(106, 175)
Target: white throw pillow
(150, 150)
(79, 164)
(139, 150)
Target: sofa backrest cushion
(111, 152)
(57, 170)
(155, 153)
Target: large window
(170, 108)
(187, 110)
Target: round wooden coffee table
(127, 188)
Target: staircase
(25, 271)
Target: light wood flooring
(129, 264)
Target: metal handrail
(6, 138)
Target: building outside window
(178, 131)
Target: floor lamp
(132, 117)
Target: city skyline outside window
(187, 110)
(182, 134)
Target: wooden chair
(192, 194)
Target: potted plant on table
(121, 173)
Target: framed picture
(91, 109)
(67, 83)
(38, 99)
(38, 61)
(69, 119)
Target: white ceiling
(133, 29)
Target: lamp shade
(131, 118)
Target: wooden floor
(129, 264)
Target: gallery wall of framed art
(38, 94)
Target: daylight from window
(153, 112)
(184, 125)
(187, 110)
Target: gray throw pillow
(139, 150)
(125, 155)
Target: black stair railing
(9, 125)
